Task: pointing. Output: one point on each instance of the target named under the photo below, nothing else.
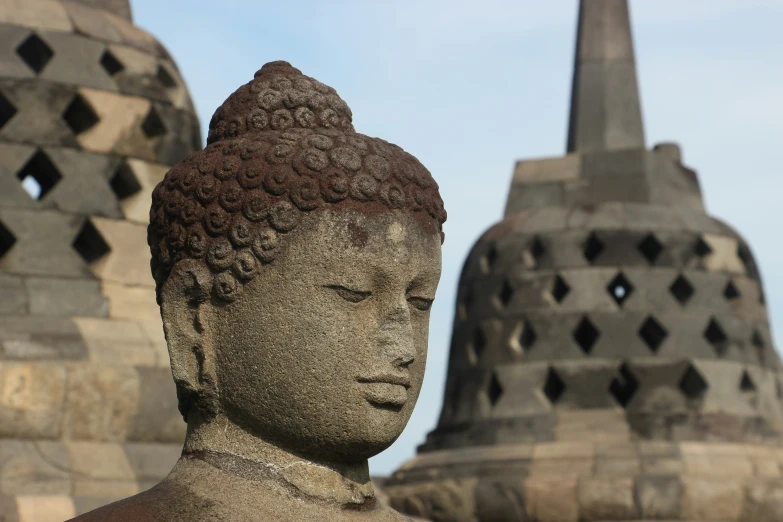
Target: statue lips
(386, 389)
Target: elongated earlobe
(184, 299)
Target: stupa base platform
(594, 482)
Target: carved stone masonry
(611, 356)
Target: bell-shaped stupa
(92, 113)
(611, 356)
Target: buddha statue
(296, 262)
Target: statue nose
(395, 334)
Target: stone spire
(93, 113)
(611, 357)
(605, 109)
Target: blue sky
(469, 87)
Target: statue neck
(226, 446)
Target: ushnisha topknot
(280, 146)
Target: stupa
(93, 112)
(611, 356)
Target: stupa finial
(605, 106)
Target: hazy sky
(469, 87)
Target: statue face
(324, 352)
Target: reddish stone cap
(279, 98)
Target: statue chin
(296, 264)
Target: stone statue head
(296, 262)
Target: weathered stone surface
(118, 129)
(34, 468)
(31, 399)
(102, 402)
(114, 342)
(283, 432)
(705, 498)
(43, 244)
(43, 14)
(64, 67)
(44, 507)
(39, 109)
(77, 61)
(15, 300)
(552, 500)
(13, 66)
(606, 499)
(126, 262)
(157, 418)
(84, 187)
(659, 496)
(101, 470)
(91, 22)
(65, 297)
(137, 206)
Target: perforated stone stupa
(92, 113)
(611, 356)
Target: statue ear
(184, 307)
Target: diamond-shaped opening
(495, 390)
(693, 384)
(731, 292)
(702, 248)
(80, 116)
(527, 337)
(35, 53)
(124, 183)
(586, 335)
(467, 302)
(554, 387)
(7, 110)
(757, 340)
(681, 289)
(111, 64)
(490, 258)
(7, 240)
(620, 289)
(715, 335)
(39, 175)
(153, 125)
(89, 243)
(165, 77)
(592, 248)
(560, 289)
(505, 294)
(746, 383)
(479, 342)
(624, 386)
(537, 249)
(653, 333)
(650, 248)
